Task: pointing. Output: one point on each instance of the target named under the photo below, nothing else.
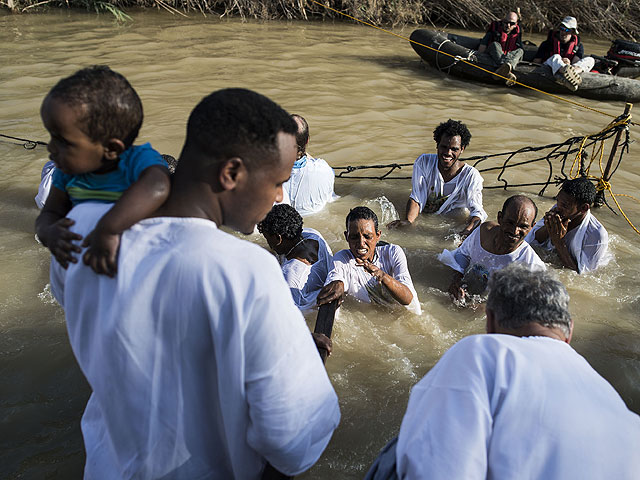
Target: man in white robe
(310, 187)
(442, 183)
(570, 229)
(369, 270)
(493, 246)
(201, 365)
(518, 402)
(304, 255)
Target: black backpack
(625, 53)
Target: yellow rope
(557, 97)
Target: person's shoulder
(343, 256)
(142, 153)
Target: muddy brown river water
(368, 101)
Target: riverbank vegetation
(619, 19)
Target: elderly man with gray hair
(519, 402)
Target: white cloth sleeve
(460, 258)
(292, 405)
(446, 430)
(474, 197)
(418, 190)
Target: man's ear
(230, 172)
(346, 237)
(568, 339)
(113, 148)
(584, 208)
(499, 217)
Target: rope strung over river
(566, 160)
(27, 144)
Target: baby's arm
(139, 201)
(52, 227)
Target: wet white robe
(201, 365)
(505, 407)
(427, 182)
(306, 281)
(588, 243)
(310, 187)
(363, 286)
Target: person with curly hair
(304, 255)
(442, 183)
(569, 228)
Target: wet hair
(453, 128)
(581, 189)
(236, 122)
(362, 213)
(282, 220)
(172, 163)
(520, 198)
(302, 134)
(519, 296)
(108, 105)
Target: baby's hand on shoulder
(102, 252)
(60, 239)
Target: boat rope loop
(28, 144)
(467, 60)
(580, 152)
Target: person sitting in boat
(503, 43)
(580, 240)
(563, 52)
(492, 247)
(369, 270)
(304, 255)
(442, 183)
(310, 187)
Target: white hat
(570, 22)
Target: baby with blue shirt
(93, 117)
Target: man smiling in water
(442, 183)
(493, 246)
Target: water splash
(383, 204)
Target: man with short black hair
(200, 363)
(519, 402)
(442, 183)
(570, 229)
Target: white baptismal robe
(306, 281)
(505, 407)
(588, 243)
(310, 186)
(427, 181)
(471, 256)
(363, 286)
(201, 365)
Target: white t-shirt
(46, 178)
(363, 286)
(588, 243)
(472, 260)
(507, 407)
(462, 191)
(201, 365)
(310, 187)
(306, 281)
